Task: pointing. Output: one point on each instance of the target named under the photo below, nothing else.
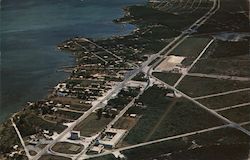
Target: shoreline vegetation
(100, 65)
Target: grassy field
(156, 102)
(91, 125)
(191, 47)
(197, 86)
(224, 140)
(52, 157)
(238, 115)
(169, 78)
(166, 117)
(68, 148)
(226, 100)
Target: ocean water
(30, 31)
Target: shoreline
(62, 69)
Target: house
(75, 135)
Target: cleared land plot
(73, 102)
(228, 143)
(52, 157)
(200, 86)
(91, 125)
(68, 114)
(226, 100)
(68, 148)
(169, 78)
(165, 117)
(191, 47)
(237, 115)
(125, 122)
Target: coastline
(8, 104)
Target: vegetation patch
(29, 123)
(106, 157)
(169, 78)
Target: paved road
(222, 93)
(232, 107)
(135, 72)
(235, 78)
(121, 113)
(21, 139)
(194, 62)
(169, 48)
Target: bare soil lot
(91, 125)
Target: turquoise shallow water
(30, 31)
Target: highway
(168, 48)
